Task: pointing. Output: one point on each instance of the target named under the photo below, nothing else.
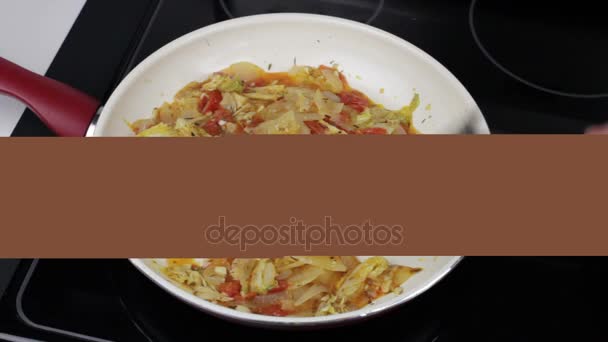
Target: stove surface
(483, 299)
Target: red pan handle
(65, 110)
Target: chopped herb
(269, 66)
(192, 133)
(295, 61)
(424, 120)
(332, 62)
(318, 41)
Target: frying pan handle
(65, 110)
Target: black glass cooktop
(533, 67)
(365, 11)
(483, 299)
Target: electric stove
(532, 68)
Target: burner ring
(505, 70)
(375, 15)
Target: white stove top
(31, 33)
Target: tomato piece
(337, 125)
(315, 127)
(273, 310)
(373, 130)
(230, 288)
(213, 126)
(223, 114)
(355, 100)
(210, 101)
(215, 98)
(282, 286)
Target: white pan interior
(370, 58)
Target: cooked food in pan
(245, 99)
(290, 286)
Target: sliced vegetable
(219, 118)
(326, 106)
(263, 277)
(373, 131)
(305, 275)
(187, 128)
(233, 85)
(311, 292)
(363, 119)
(316, 127)
(331, 128)
(245, 71)
(332, 80)
(408, 111)
(231, 288)
(324, 262)
(210, 101)
(160, 130)
(270, 92)
(355, 100)
(141, 125)
(241, 270)
(285, 124)
(353, 282)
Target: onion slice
(310, 293)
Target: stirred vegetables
(244, 99)
(290, 286)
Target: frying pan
(370, 58)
